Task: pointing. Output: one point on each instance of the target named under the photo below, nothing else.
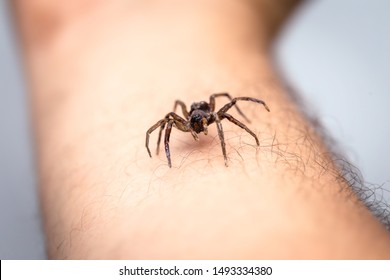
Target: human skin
(101, 73)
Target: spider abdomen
(202, 105)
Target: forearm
(102, 81)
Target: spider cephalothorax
(201, 115)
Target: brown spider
(198, 119)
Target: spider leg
(212, 103)
(181, 124)
(169, 120)
(240, 124)
(225, 108)
(179, 121)
(159, 138)
(183, 108)
(221, 138)
(150, 130)
(166, 141)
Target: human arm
(100, 77)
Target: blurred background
(335, 54)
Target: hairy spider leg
(183, 108)
(240, 124)
(221, 114)
(166, 141)
(150, 130)
(212, 103)
(221, 138)
(170, 119)
(179, 122)
(225, 108)
(159, 138)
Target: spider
(201, 115)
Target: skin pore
(102, 72)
